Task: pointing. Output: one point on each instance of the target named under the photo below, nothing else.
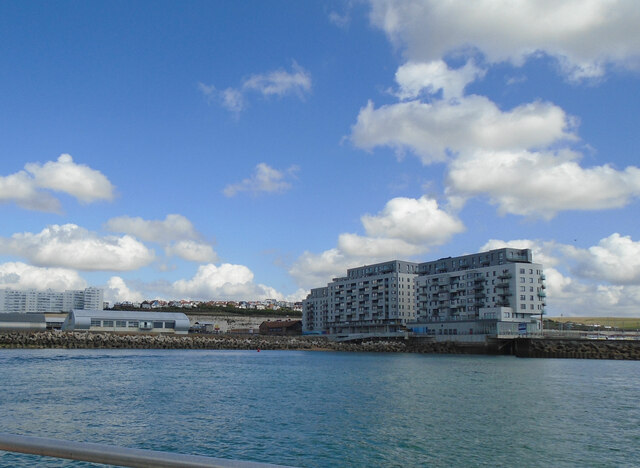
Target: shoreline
(521, 347)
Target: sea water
(327, 409)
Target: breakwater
(521, 347)
(576, 349)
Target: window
(157, 324)
(531, 298)
(95, 322)
(523, 306)
(121, 323)
(523, 288)
(530, 280)
(522, 271)
(522, 279)
(107, 323)
(522, 297)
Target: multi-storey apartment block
(499, 292)
(33, 301)
(376, 298)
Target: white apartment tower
(49, 301)
(376, 298)
(499, 292)
(496, 292)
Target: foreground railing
(112, 455)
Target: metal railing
(113, 455)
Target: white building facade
(376, 298)
(49, 301)
(499, 292)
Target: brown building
(281, 327)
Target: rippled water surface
(320, 409)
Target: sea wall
(576, 349)
(85, 340)
(521, 347)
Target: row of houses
(499, 292)
(268, 304)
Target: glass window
(522, 271)
(107, 323)
(522, 279)
(523, 306)
(121, 323)
(523, 288)
(95, 322)
(157, 324)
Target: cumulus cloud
(78, 180)
(616, 259)
(173, 227)
(192, 251)
(227, 281)
(541, 184)
(30, 188)
(278, 83)
(264, 179)
(434, 131)
(118, 291)
(18, 275)
(416, 221)
(584, 36)
(71, 246)
(404, 228)
(415, 78)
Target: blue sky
(245, 150)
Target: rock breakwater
(577, 349)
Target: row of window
(131, 324)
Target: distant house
(281, 327)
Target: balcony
(502, 285)
(504, 276)
(542, 294)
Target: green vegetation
(619, 323)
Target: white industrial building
(125, 321)
(499, 292)
(49, 301)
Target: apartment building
(49, 301)
(499, 292)
(376, 298)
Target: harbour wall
(521, 347)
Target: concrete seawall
(521, 347)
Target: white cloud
(435, 130)
(404, 228)
(192, 251)
(18, 275)
(78, 180)
(173, 227)
(540, 184)
(70, 246)
(417, 221)
(616, 259)
(20, 189)
(226, 281)
(279, 83)
(583, 35)
(118, 291)
(413, 78)
(265, 179)
(28, 189)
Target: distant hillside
(224, 310)
(621, 323)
